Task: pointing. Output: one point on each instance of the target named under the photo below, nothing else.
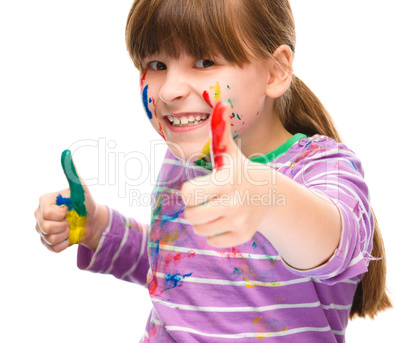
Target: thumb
(221, 135)
(77, 215)
(77, 190)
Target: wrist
(93, 235)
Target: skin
(305, 232)
(176, 87)
(53, 228)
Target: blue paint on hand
(145, 102)
(64, 201)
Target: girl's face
(178, 95)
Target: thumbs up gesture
(230, 209)
(70, 216)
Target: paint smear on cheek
(145, 101)
(205, 95)
(142, 80)
(218, 128)
(161, 131)
(217, 91)
(156, 116)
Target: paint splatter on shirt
(244, 293)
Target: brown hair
(235, 28)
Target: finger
(55, 239)
(57, 247)
(198, 191)
(76, 189)
(47, 227)
(48, 209)
(208, 212)
(210, 229)
(221, 135)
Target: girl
(278, 242)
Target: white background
(66, 80)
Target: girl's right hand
(53, 227)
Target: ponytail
(301, 111)
(371, 296)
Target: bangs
(199, 28)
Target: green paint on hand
(77, 191)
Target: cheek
(148, 102)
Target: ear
(280, 72)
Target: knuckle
(37, 228)
(51, 240)
(46, 228)
(46, 213)
(41, 198)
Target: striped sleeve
(336, 173)
(121, 251)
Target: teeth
(186, 121)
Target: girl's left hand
(228, 205)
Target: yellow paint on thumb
(77, 227)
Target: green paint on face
(238, 117)
(228, 86)
(230, 102)
(77, 191)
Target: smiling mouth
(189, 120)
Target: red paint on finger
(205, 95)
(218, 125)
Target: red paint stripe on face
(142, 80)
(161, 131)
(218, 129)
(205, 95)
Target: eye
(156, 65)
(204, 63)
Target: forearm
(304, 227)
(121, 250)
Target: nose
(175, 87)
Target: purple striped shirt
(245, 293)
